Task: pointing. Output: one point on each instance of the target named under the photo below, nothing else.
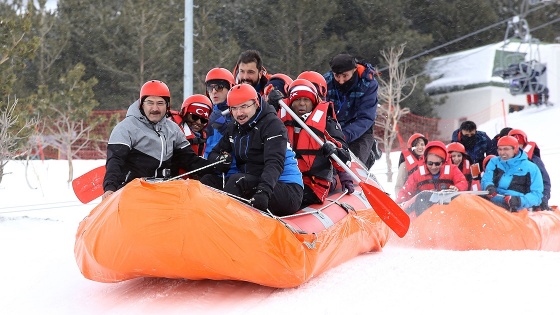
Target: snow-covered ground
(38, 273)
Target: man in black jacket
(267, 168)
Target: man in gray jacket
(145, 142)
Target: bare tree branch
(11, 134)
(391, 94)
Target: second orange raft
(471, 222)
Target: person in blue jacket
(267, 170)
(476, 142)
(352, 88)
(512, 181)
(218, 82)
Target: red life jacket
(316, 169)
(426, 181)
(530, 149)
(411, 161)
(465, 168)
(197, 144)
(475, 185)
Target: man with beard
(477, 143)
(249, 69)
(352, 88)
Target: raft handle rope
(320, 210)
(194, 171)
(267, 212)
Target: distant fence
(96, 148)
(432, 128)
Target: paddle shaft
(319, 141)
(386, 208)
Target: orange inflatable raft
(470, 222)
(184, 229)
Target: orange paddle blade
(387, 209)
(90, 185)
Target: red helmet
(456, 147)
(520, 135)
(241, 93)
(509, 141)
(303, 88)
(317, 79)
(197, 104)
(220, 74)
(413, 138)
(280, 82)
(486, 160)
(155, 88)
(436, 147)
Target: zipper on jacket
(161, 138)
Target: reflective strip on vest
(410, 160)
(422, 169)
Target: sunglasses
(430, 163)
(196, 117)
(217, 87)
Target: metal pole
(188, 50)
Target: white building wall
(479, 105)
(485, 103)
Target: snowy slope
(38, 273)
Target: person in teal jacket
(512, 181)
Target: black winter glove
(346, 181)
(260, 200)
(274, 98)
(513, 202)
(226, 164)
(544, 206)
(491, 191)
(328, 148)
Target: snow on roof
(475, 66)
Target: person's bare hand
(106, 194)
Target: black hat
(342, 63)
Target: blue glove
(218, 121)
